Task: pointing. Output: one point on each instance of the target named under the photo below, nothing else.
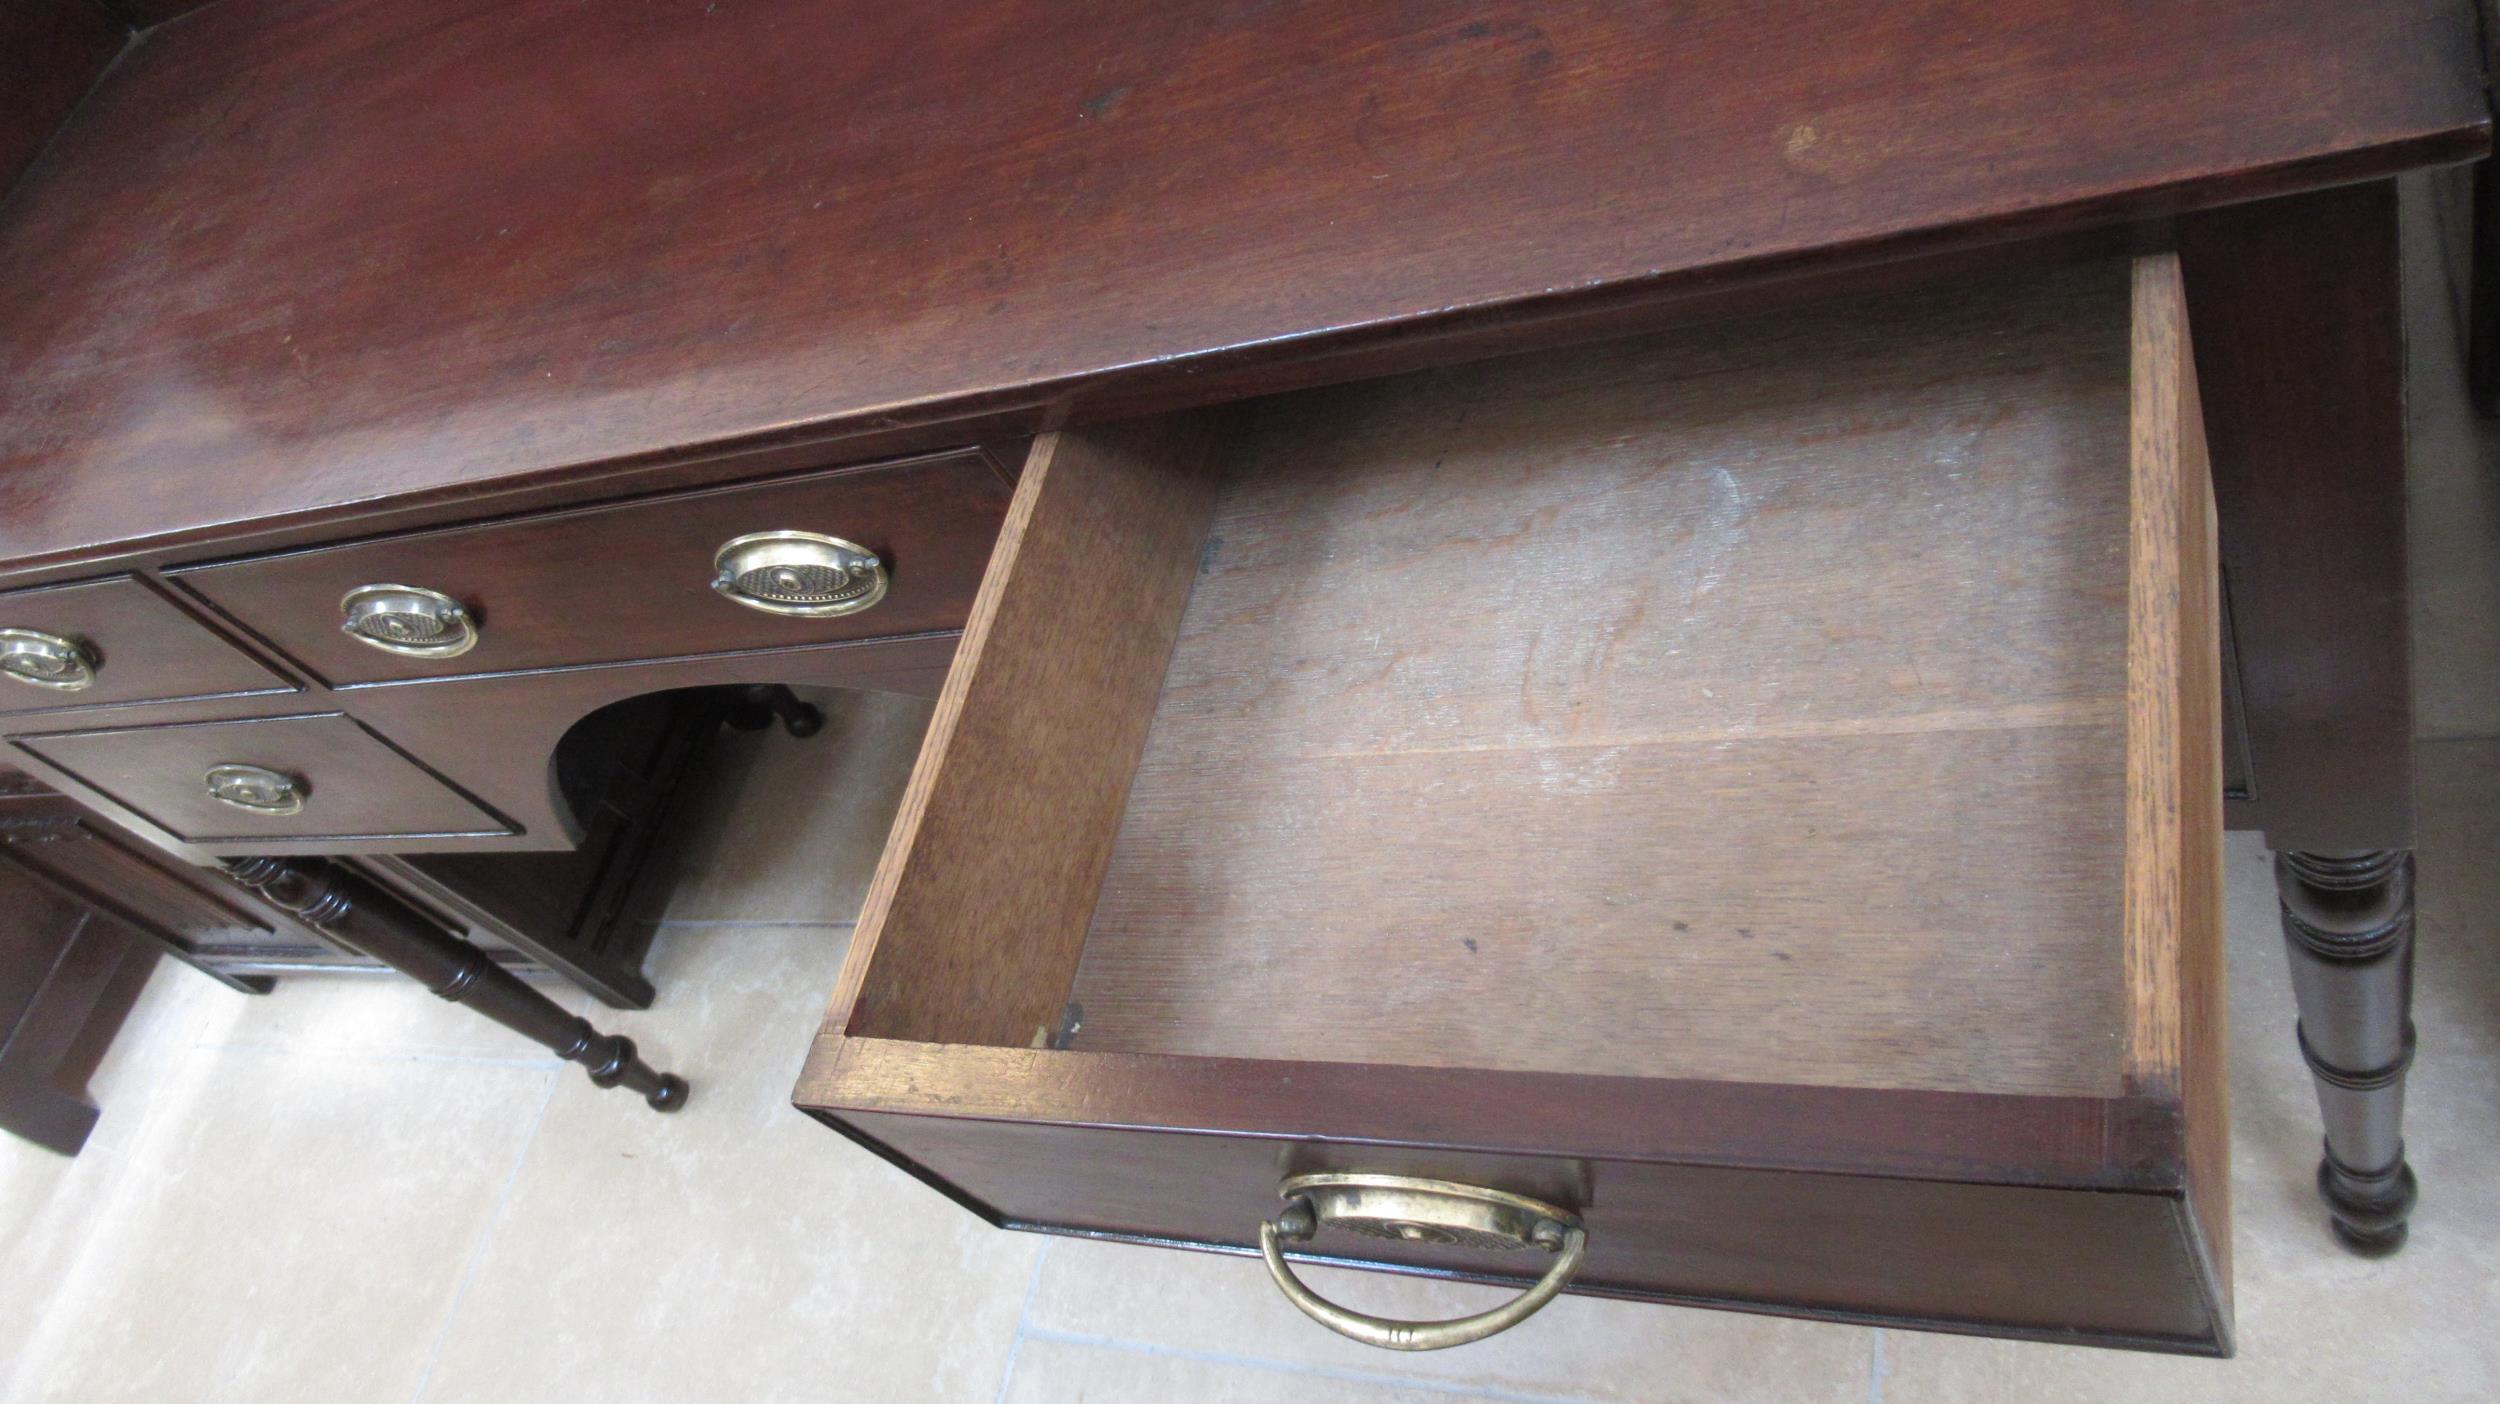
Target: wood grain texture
(972, 924)
(146, 648)
(298, 256)
(2036, 1262)
(1628, 710)
(68, 975)
(631, 580)
(2176, 1040)
(51, 52)
(2300, 362)
(359, 786)
(1969, 1137)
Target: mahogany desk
(538, 307)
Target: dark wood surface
(356, 785)
(579, 610)
(2300, 355)
(303, 271)
(495, 736)
(145, 648)
(299, 256)
(2026, 1261)
(632, 580)
(2301, 348)
(68, 974)
(2348, 927)
(1926, 1207)
(51, 51)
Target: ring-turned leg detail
(341, 901)
(2348, 924)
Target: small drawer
(107, 642)
(306, 777)
(629, 581)
(1751, 791)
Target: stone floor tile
(736, 1250)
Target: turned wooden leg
(2348, 922)
(345, 904)
(2298, 310)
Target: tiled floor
(348, 1191)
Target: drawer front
(132, 644)
(633, 580)
(2068, 1265)
(324, 777)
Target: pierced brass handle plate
(38, 659)
(799, 573)
(257, 789)
(408, 620)
(1409, 1210)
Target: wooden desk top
(297, 255)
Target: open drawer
(1752, 791)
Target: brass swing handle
(1398, 1207)
(38, 659)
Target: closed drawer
(1753, 790)
(293, 778)
(104, 642)
(633, 580)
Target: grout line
(1024, 1315)
(477, 1251)
(1877, 1369)
(1337, 1374)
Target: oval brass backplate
(408, 620)
(799, 573)
(258, 789)
(1406, 1209)
(38, 659)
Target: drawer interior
(1749, 702)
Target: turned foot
(2348, 925)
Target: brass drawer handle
(408, 620)
(38, 659)
(799, 573)
(1410, 1210)
(273, 794)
